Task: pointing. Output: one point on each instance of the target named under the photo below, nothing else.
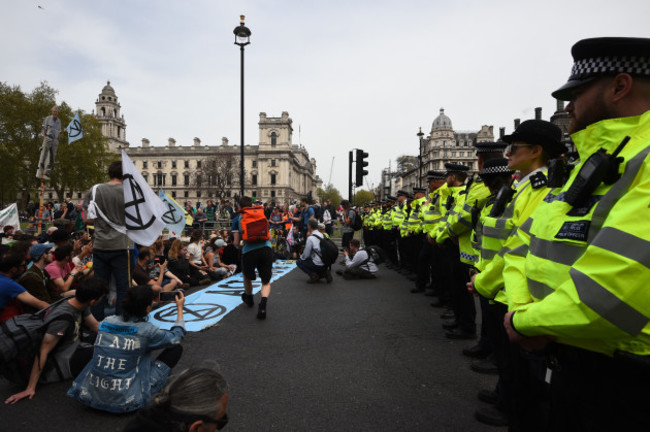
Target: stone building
(274, 170)
(442, 145)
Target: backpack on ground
(21, 337)
(376, 254)
(329, 252)
(254, 225)
(357, 223)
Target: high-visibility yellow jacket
(430, 211)
(588, 268)
(414, 219)
(398, 214)
(447, 210)
(387, 219)
(504, 229)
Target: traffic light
(361, 164)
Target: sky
(352, 74)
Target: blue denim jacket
(121, 376)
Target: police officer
(586, 268)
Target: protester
(61, 277)
(254, 255)
(36, 280)
(61, 356)
(12, 295)
(111, 249)
(348, 217)
(141, 273)
(310, 261)
(196, 400)
(180, 266)
(199, 268)
(51, 130)
(358, 263)
(122, 356)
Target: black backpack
(357, 223)
(329, 252)
(21, 336)
(376, 254)
(318, 212)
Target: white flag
(9, 217)
(174, 216)
(143, 208)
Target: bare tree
(218, 173)
(406, 163)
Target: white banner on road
(9, 216)
(144, 209)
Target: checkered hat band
(502, 169)
(494, 149)
(636, 66)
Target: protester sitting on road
(7, 232)
(141, 273)
(36, 280)
(180, 266)
(196, 400)
(358, 263)
(213, 256)
(310, 261)
(121, 376)
(12, 295)
(61, 355)
(198, 266)
(61, 277)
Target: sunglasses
(512, 148)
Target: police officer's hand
(528, 343)
(470, 286)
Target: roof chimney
(197, 142)
(224, 141)
(502, 132)
(560, 105)
(171, 142)
(538, 113)
(145, 142)
(517, 121)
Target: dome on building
(108, 89)
(442, 120)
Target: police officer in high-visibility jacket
(429, 215)
(414, 234)
(398, 216)
(587, 265)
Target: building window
(274, 139)
(159, 179)
(159, 164)
(186, 180)
(187, 164)
(254, 164)
(453, 154)
(228, 194)
(272, 194)
(146, 178)
(186, 194)
(198, 194)
(174, 194)
(144, 164)
(272, 162)
(174, 164)
(173, 180)
(254, 179)
(49, 194)
(198, 164)
(272, 179)
(254, 194)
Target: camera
(159, 260)
(168, 296)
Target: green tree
(329, 193)
(363, 197)
(77, 166)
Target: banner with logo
(9, 216)
(174, 216)
(74, 129)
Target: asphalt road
(350, 356)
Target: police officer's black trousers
(423, 265)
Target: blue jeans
(107, 264)
(310, 268)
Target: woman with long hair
(179, 265)
(121, 377)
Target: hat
(436, 175)
(490, 147)
(455, 168)
(37, 251)
(402, 193)
(494, 167)
(220, 243)
(419, 190)
(539, 132)
(390, 198)
(321, 226)
(606, 56)
(59, 236)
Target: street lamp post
(242, 38)
(420, 135)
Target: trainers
(205, 281)
(261, 313)
(313, 278)
(248, 299)
(328, 276)
(491, 416)
(339, 272)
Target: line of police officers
(560, 256)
